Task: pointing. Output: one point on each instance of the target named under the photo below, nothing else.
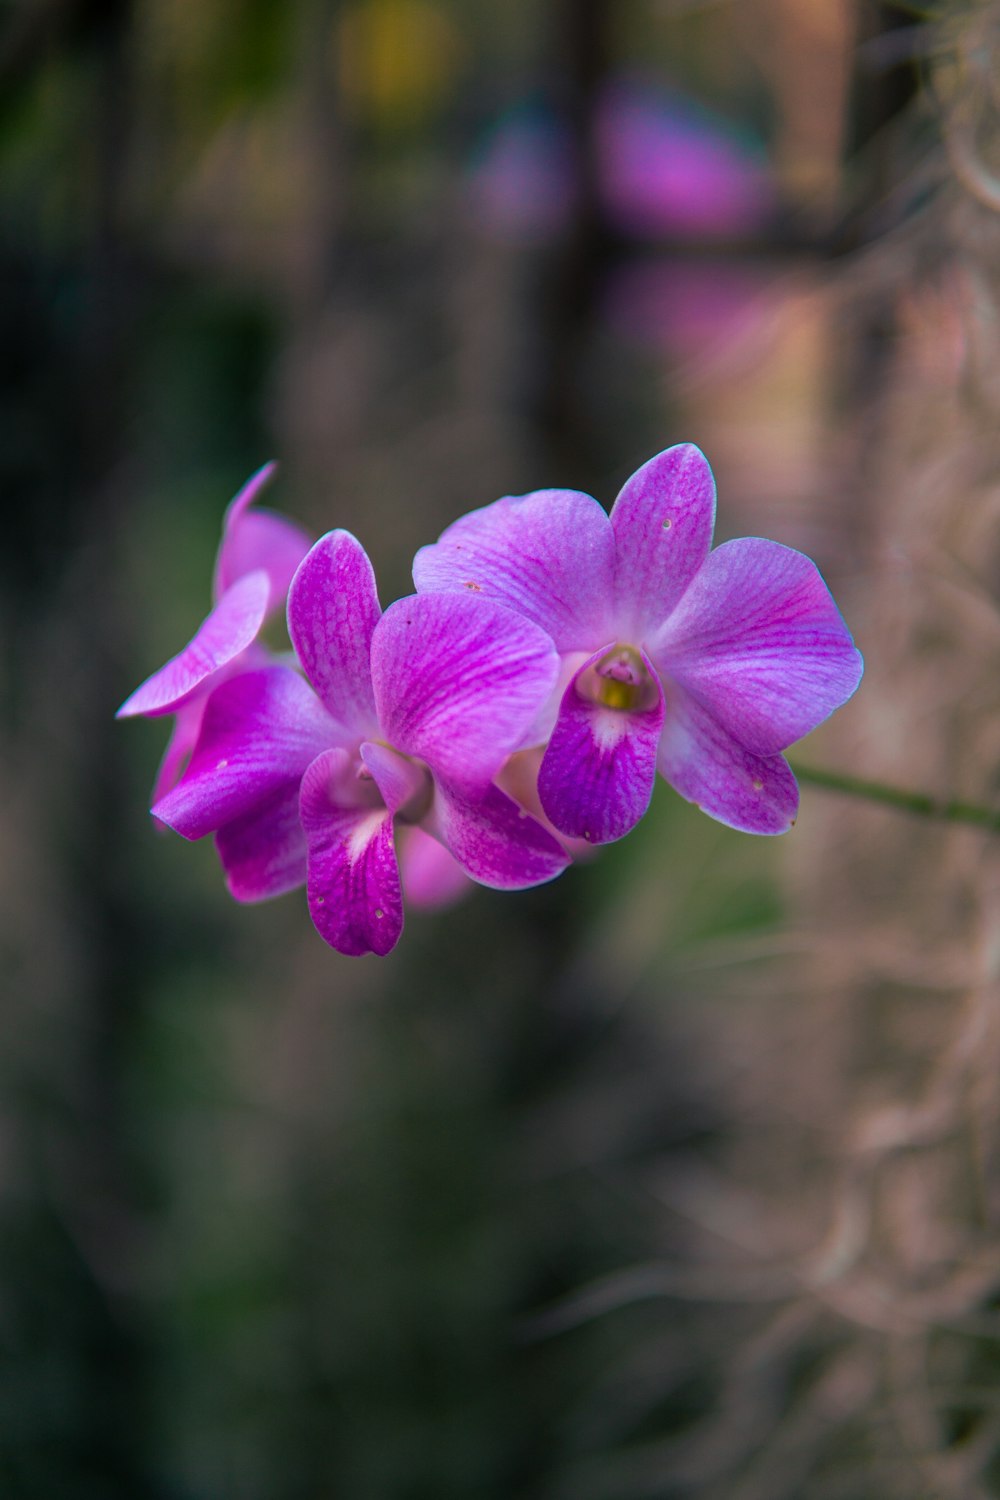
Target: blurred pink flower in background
(669, 168)
(666, 167)
(688, 305)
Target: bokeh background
(677, 1178)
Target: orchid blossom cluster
(506, 716)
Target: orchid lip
(619, 680)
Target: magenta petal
(333, 609)
(260, 731)
(264, 852)
(432, 878)
(549, 555)
(270, 542)
(755, 793)
(494, 840)
(355, 898)
(183, 738)
(187, 724)
(237, 508)
(597, 774)
(228, 630)
(254, 539)
(459, 681)
(759, 641)
(663, 521)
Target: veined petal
(459, 681)
(333, 609)
(549, 555)
(254, 539)
(663, 521)
(264, 852)
(597, 774)
(755, 793)
(432, 878)
(355, 899)
(260, 731)
(759, 641)
(494, 840)
(228, 630)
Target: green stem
(920, 803)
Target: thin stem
(922, 804)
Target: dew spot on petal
(221, 766)
(320, 900)
(379, 912)
(758, 785)
(667, 523)
(476, 588)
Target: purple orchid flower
(414, 713)
(257, 558)
(703, 664)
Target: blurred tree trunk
(571, 278)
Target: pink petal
(183, 738)
(663, 521)
(494, 840)
(188, 719)
(228, 630)
(755, 793)
(596, 777)
(758, 640)
(549, 555)
(254, 539)
(432, 878)
(355, 898)
(240, 504)
(333, 609)
(459, 681)
(260, 731)
(264, 852)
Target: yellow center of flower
(620, 680)
(615, 694)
